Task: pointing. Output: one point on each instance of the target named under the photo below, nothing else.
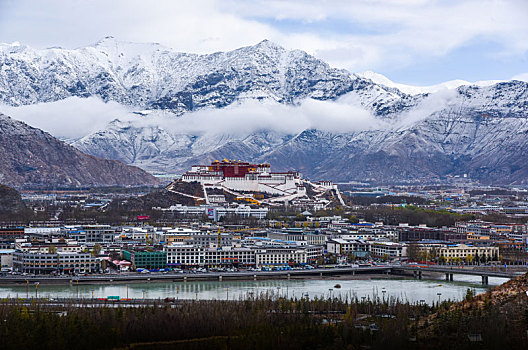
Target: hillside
(31, 157)
(10, 201)
(499, 317)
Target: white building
(216, 212)
(186, 255)
(357, 248)
(242, 176)
(287, 255)
(61, 262)
(388, 250)
(6, 259)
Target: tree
(433, 254)
(495, 256)
(469, 258)
(52, 249)
(476, 258)
(96, 249)
(413, 252)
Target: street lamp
(127, 290)
(439, 294)
(92, 290)
(144, 291)
(330, 292)
(36, 290)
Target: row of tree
(265, 322)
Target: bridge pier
(289, 277)
(449, 277)
(485, 280)
(419, 275)
(220, 278)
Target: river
(404, 289)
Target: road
(248, 275)
(243, 275)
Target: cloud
(521, 77)
(428, 106)
(75, 117)
(253, 116)
(70, 118)
(358, 35)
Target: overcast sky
(411, 41)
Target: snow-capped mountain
(152, 76)
(416, 90)
(414, 135)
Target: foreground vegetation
(495, 319)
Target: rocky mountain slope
(31, 157)
(478, 130)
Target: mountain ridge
(478, 130)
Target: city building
(6, 259)
(59, 263)
(387, 250)
(356, 248)
(146, 259)
(453, 252)
(287, 255)
(91, 233)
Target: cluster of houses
(84, 249)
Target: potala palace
(256, 184)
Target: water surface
(404, 289)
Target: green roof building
(146, 259)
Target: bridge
(183, 277)
(452, 270)
(254, 275)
